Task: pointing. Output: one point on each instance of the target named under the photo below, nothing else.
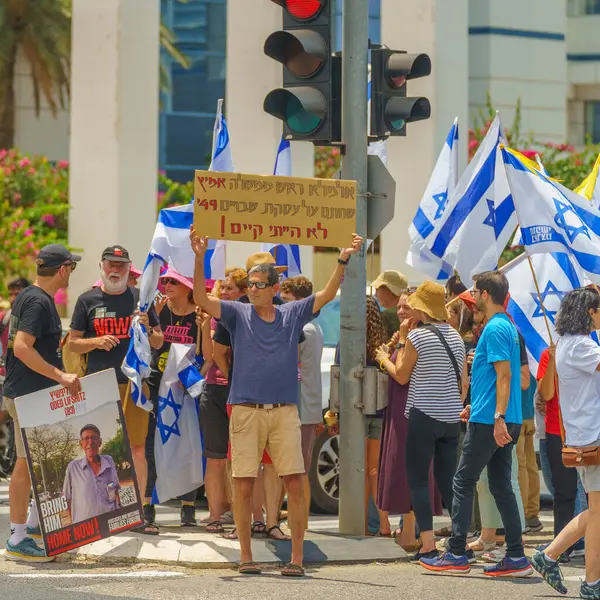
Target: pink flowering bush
(34, 205)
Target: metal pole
(355, 50)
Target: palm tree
(41, 31)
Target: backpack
(73, 362)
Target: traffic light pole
(353, 336)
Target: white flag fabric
(557, 274)
(287, 255)
(441, 186)
(171, 245)
(553, 218)
(480, 217)
(589, 188)
(178, 441)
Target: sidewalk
(193, 546)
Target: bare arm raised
(210, 304)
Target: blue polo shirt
(499, 342)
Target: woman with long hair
(577, 360)
(179, 321)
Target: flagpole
(535, 281)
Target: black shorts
(214, 422)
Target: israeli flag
(557, 274)
(178, 441)
(431, 209)
(589, 188)
(480, 217)
(171, 245)
(553, 218)
(285, 254)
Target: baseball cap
(393, 281)
(55, 255)
(263, 258)
(116, 254)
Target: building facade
(543, 54)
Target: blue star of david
(572, 232)
(491, 218)
(440, 200)
(166, 430)
(549, 290)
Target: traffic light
(309, 104)
(391, 109)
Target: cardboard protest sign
(80, 462)
(281, 210)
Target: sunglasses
(259, 285)
(169, 281)
(73, 265)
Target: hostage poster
(80, 463)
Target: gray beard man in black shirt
(33, 363)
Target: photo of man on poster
(91, 484)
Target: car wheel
(324, 474)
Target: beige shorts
(9, 405)
(252, 430)
(136, 418)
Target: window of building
(592, 121)
(189, 107)
(579, 8)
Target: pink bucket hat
(173, 274)
(132, 271)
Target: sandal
(249, 568)
(271, 536)
(146, 529)
(215, 527)
(480, 547)
(259, 528)
(293, 570)
(230, 536)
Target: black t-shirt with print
(176, 329)
(96, 314)
(33, 312)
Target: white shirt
(311, 391)
(577, 358)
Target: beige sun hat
(263, 258)
(430, 297)
(394, 281)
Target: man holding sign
(33, 362)
(264, 392)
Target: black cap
(116, 253)
(55, 255)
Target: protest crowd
(465, 403)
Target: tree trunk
(7, 102)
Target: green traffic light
(298, 119)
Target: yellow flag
(587, 189)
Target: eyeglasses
(169, 281)
(90, 438)
(73, 265)
(259, 285)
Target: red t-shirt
(551, 419)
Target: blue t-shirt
(265, 354)
(499, 342)
(527, 397)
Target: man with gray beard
(100, 328)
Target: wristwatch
(499, 416)
(400, 345)
(341, 261)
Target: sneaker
(493, 556)
(34, 532)
(577, 553)
(26, 550)
(471, 556)
(534, 525)
(510, 567)
(447, 562)
(428, 555)
(589, 592)
(188, 515)
(149, 513)
(549, 570)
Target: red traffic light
(304, 9)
